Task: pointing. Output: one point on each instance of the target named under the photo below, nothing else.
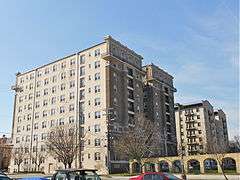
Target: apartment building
(197, 128)
(159, 105)
(221, 130)
(99, 89)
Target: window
(97, 128)
(45, 102)
(82, 59)
(44, 113)
(29, 117)
(97, 156)
(97, 88)
(29, 106)
(82, 82)
(52, 123)
(31, 86)
(97, 142)
(46, 81)
(62, 109)
(45, 92)
(82, 71)
(18, 129)
(53, 101)
(38, 94)
(38, 83)
(130, 83)
(71, 119)
(62, 98)
(53, 111)
(72, 73)
(35, 125)
(72, 62)
(61, 121)
(97, 52)
(97, 64)
(28, 127)
(97, 101)
(36, 115)
(82, 94)
(130, 71)
(17, 140)
(198, 116)
(44, 124)
(72, 84)
(54, 88)
(71, 95)
(63, 75)
(54, 68)
(35, 137)
(63, 87)
(46, 70)
(71, 107)
(97, 114)
(44, 136)
(54, 79)
(97, 76)
(63, 65)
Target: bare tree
(18, 155)
(236, 140)
(218, 153)
(142, 140)
(38, 159)
(61, 144)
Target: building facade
(5, 152)
(82, 89)
(159, 105)
(221, 130)
(99, 90)
(197, 129)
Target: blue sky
(195, 41)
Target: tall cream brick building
(81, 89)
(200, 129)
(159, 105)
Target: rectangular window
(97, 88)
(82, 59)
(82, 94)
(97, 114)
(72, 84)
(97, 64)
(71, 107)
(97, 52)
(82, 71)
(97, 128)
(97, 101)
(97, 76)
(82, 82)
(72, 73)
(97, 142)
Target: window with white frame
(97, 114)
(97, 76)
(97, 101)
(82, 59)
(97, 64)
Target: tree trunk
(18, 167)
(65, 165)
(223, 173)
(69, 165)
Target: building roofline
(18, 74)
(153, 65)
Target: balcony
(191, 128)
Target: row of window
(96, 128)
(63, 65)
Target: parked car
(155, 176)
(76, 174)
(3, 176)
